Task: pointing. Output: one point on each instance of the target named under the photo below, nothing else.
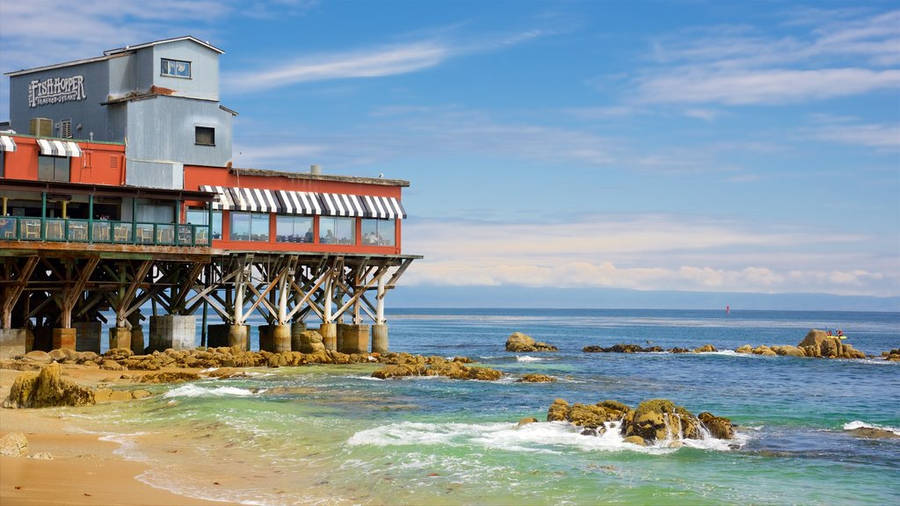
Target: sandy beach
(84, 469)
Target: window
(200, 216)
(378, 232)
(337, 230)
(249, 226)
(175, 68)
(293, 229)
(53, 168)
(205, 136)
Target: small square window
(205, 136)
(175, 68)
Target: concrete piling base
(173, 331)
(352, 338)
(239, 336)
(329, 335)
(137, 339)
(297, 328)
(275, 338)
(119, 337)
(87, 336)
(380, 338)
(14, 342)
(43, 339)
(64, 338)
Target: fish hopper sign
(56, 90)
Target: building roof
(320, 177)
(206, 44)
(113, 53)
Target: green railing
(18, 228)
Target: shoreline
(85, 468)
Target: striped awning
(384, 207)
(222, 199)
(53, 147)
(340, 204)
(305, 203)
(299, 202)
(255, 200)
(7, 143)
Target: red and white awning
(53, 147)
(7, 143)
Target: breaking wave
(858, 424)
(198, 391)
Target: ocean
(334, 435)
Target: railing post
(209, 220)
(90, 231)
(43, 215)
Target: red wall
(195, 176)
(98, 163)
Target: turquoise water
(328, 434)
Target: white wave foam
(191, 390)
(859, 424)
(541, 437)
(525, 358)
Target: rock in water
(310, 342)
(526, 421)
(874, 433)
(819, 344)
(14, 444)
(587, 415)
(536, 378)
(744, 349)
(718, 427)
(520, 342)
(46, 389)
(558, 411)
(706, 348)
(660, 419)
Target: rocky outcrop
(874, 433)
(893, 355)
(436, 366)
(522, 343)
(46, 389)
(589, 416)
(169, 377)
(536, 378)
(621, 348)
(820, 345)
(706, 348)
(653, 421)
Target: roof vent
(315, 170)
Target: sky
(706, 147)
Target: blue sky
(699, 146)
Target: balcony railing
(18, 228)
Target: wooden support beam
(12, 293)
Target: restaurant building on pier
(118, 194)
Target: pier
(111, 225)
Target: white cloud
(739, 65)
(379, 61)
(646, 253)
(764, 86)
(885, 136)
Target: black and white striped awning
(255, 200)
(384, 207)
(222, 199)
(340, 204)
(305, 203)
(299, 202)
(53, 147)
(7, 143)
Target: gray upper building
(160, 98)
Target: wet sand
(84, 469)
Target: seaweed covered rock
(169, 377)
(536, 378)
(520, 342)
(706, 348)
(448, 368)
(622, 348)
(788, 351)
(309, 341)
(744, 349)
(660, 419)
(893, 355)
(589, 416)
(718, 427)
(46, 389)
